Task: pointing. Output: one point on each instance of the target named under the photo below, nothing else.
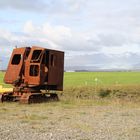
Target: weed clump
(104, 93)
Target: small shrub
(104, 93)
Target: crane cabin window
(34, 70)
(16, 59)
(36, 55)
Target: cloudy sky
(93, 33)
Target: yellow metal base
(2, 89)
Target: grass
(94, 85)
(2, 80)
(100, 78)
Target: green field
(1, 78)
(101, 78)
(94, 85)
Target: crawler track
(28, 98)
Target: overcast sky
(99, 33)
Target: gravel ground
(59, 121)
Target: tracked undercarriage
(28, 97)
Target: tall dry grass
(122, 92)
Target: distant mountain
(81, 68)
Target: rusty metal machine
(34, 72)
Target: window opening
(36, 55)
(34, 70)
(16, 59)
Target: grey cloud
(30, 5)
(107, 40)
(102, 61)
(78, 44)
(50, 6)
(3, 62)
(4, 42)
(7, 21)
(112, 40)
(97, 59)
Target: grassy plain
(122, 85)
(101, 78)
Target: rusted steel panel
(56, 69)
(15, 65)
